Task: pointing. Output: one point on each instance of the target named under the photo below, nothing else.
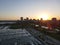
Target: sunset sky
(13, 9)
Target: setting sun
(44, 16)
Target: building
(54, 23)
(27, 18)
(21, 18)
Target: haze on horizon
(14, 9)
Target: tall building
(54, 19)
(21, 18)
(41, 21)
(27, 18)
(54, 22)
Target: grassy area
(15, 26)
(56, 36)
(45, 31)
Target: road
(17, 37)
(35, 34)
(24, 36)
(47, 39)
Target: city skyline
(14, 9)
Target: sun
(44, 16)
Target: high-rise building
(41, 21)
(54, 22)
(54, 19)
(21, 18)
(27, 18)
